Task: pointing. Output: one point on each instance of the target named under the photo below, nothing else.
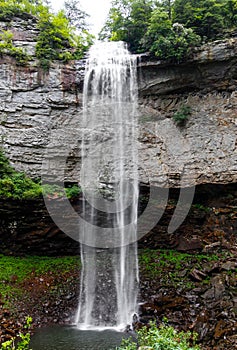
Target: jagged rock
(40, 114)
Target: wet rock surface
(207, 307)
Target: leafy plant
(153, 263)
(17, 185)
(208, 18)
(182, 115)
(8, 9)
(169, 29)
(23, 267)
(5, 167)
(57, 38)
(7, 47)
(23, 343)
(176, 44)
(128, 21)
(201, 207)
(162, 338)
(73, 191)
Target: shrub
(73, 191)
(162, 338)
(8, 9)
(24, 339)
(57, 38)
(53, 38)
(5, 167)
(7, 48)
(170, 41)
(17, 185)
(182, 115)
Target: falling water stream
(109, 277)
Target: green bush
(5, 167)
(7, 48)
(182, 115)
(8, 9)
(17, 185)
(162, 338)
(57, 38)
(73, 191)
(208, 18)
(169, 29)
(53, 38)
(176, 45)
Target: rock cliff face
(205, 149)
(40, 113)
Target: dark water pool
(70, 338)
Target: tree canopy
(169, 28)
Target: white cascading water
(109, 277)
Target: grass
(167, 266)
(15, 270)
(162, 265)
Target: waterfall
(109, 180)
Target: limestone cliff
(41, 112)
(205, 149)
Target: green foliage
(8, 9)
(23, 343)
(73, 191)
(162, 338)
(57, 191)
(128, 21)
(5, 167)
(7, 48)
(169, 29)
(182, 115)
(169, 41)
(17, 185)
(147, 26)
(57, 39)
(23, 267)
(53, 37)
(208, 18)
(153, 264)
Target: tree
(169, 28)
(230, 14)
(205, 17)
(128, 21)
(167, 5)
(75, 15)
(167, 40)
